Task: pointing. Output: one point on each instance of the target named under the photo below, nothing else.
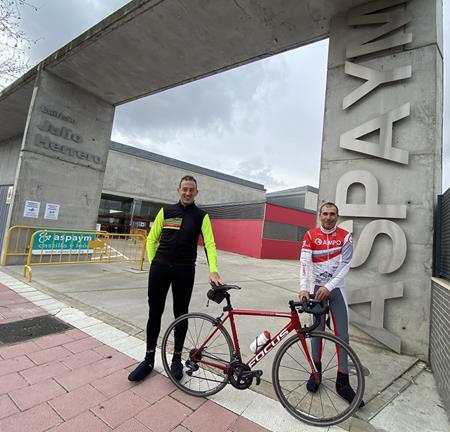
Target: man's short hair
(329, 204)
(187, 178)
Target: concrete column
(9, 156)
(63, 156)
(381, 161)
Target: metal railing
(141, 231)
(57, 247)
(17, 241)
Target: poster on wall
(9, 195)
(51, 211)
(31, 209)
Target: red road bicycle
(212, 359)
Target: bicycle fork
(314, 371)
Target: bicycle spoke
(203, 341)
(325, 368)
(206, 379)
(310, 404)
(199, 333)
(332, 403)
(329, 379)
(301, 400)
(292, 371)
(191, 338)
(295, 369)
(321, 404)
(293, 379)
(294, 389)
(299, 363)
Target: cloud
(56, 23)
(219, 103)
(267, 113)
(256, 170)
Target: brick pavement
(70, 381)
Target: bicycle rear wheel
(199, 378)
(291, 371)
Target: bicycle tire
(205, 380)
(291, 371)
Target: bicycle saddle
(224, 287)
(217, 292)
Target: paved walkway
(71, 381)
(77, 381)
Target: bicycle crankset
(241, 376)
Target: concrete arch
(383, 115)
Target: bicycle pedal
(257, 374)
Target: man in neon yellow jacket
(172, 252)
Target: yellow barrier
(17, 240)
(51, 247)
(141, 231)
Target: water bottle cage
(260, 347)
(260, 342)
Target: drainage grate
(23, 330)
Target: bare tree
(14, 43)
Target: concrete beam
(148, 46)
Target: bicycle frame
(212, 359)
(292, 325)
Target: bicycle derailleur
(241, 376)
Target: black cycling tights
(160, 278)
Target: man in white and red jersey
(324, 262)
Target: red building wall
(245, 237)
(238, 236)
(276, 213)
(280, 249)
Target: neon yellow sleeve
(210, 245)
(154, 235)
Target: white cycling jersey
(325, 258)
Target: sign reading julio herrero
(63, 142)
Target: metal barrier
(17, 241)
(141, 231)
(55, 247)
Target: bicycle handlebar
(311, 306)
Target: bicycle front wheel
(206, 351)
(292, 370)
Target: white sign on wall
(31, 209)
(51, 211)
(9, 195)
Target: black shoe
(312, 386)
(176, 369)
(344, 390)
(142, 371)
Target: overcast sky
(262, 122)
